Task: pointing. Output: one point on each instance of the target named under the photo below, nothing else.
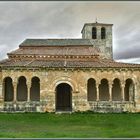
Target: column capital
(122, 85)
(110, 83)
(122, 82)
(75, 92)
(98, 83)
(15, 82)
(28, 84)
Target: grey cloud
(130, 60)
(23, 20)
(127, 38)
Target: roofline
(22, 44)
(80, 67)
(105, 24)
(54, 46)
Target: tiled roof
(60, 47)
(77, 50)
(55, 42)
(97, 63)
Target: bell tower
(100, 35)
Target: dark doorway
(8, 89)
(63, 97)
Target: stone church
(69, 75)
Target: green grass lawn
(45, 125)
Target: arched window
(94, 33)
(35, 89)
(103, 33)
(91, 90)
(129, 90)
(8, 89)
(22, 89)
(104, 90)
(116, 90)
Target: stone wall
(77, 79)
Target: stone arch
(67, 80)
(104, 90)
(91, 90)
(8, 89)
(21, 89)
(94, 33)
(116, 90)
(103, 33)
(35, 89)
(129, 90)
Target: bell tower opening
(94, 33)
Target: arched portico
(63, 97)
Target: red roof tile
(77, 50)
(97, 63)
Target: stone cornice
(51, 57)
(21, 68)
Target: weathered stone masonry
(78, 80)
(69, 75)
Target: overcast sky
(21, 20)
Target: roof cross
(96, 20)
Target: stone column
(110, 91)
(122, 92)
(131, 92)
(98, 32)
(1, 92)
(136, 97)
(97, 89)
(15, 90)
(28, 91)
(74, 100)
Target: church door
(63, 97)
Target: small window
(94, 32)
(103, 32)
